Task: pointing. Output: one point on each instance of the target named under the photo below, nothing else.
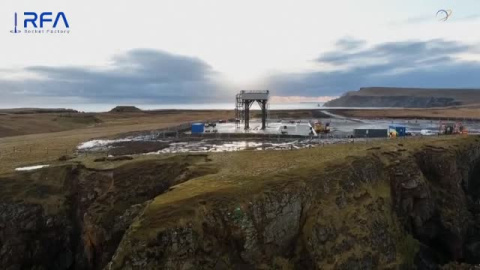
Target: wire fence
(34, 149)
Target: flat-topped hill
(406, 97)
(125, 109)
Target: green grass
(232, 180)
(50, 186)
(45, 187)
(245, 173)
(46, 139)
(407, 249)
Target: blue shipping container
(401, 130)
(198, 128)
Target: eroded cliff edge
(400, 204)
(69, 216)
(405, 97)
(393, 207)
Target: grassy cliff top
(242, 174)
(239, 173)
(50, 136)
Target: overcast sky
(149, 52)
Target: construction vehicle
(320, 128)
(452, 128)
(462, 130)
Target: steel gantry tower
(244, 101)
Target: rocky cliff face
(435, 201)
(30, 238)
(390, 210)
(392, 101)
(92, 210)
(406, 97)
(393, 208)
(305, 224)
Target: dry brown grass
(24, 150)
(14, 124)
(23, 124)
(48, 146)
(244, 173)
(472, 112)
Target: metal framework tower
(243, 102)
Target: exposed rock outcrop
(93, 208)
(395, 211)
(406, 97)
(312, 223)
(31, 238)
(388, 209)
(392, 101)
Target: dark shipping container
(370, 133)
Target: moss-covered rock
(69, 216)
(392, 206)
(385, 209)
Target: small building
(198, 128)
(400, 131)
(370, 133)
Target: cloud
(144, 76)
(400, 53)
(140, 76)
(298, 99)
(472, 17)
(415, 20)
(433, 18)
(349, 43)
(432, 63)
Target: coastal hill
(125, 109)
(406, 97)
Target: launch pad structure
(244, 101)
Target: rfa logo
(46, 22)
(15, 31)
